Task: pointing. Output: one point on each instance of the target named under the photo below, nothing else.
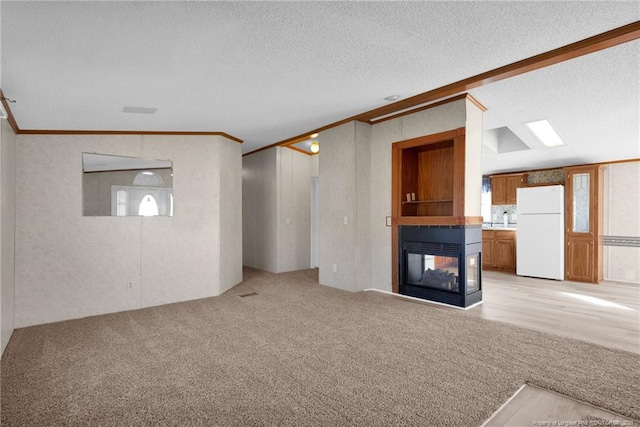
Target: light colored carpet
(297, 353)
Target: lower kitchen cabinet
(499, 250)
(580, 258)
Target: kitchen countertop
(511, 227)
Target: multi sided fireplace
(441, 263)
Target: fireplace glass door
(432, 271)
(473, 273)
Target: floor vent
(249, 295)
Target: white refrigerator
(540, 235)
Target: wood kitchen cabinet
(504, 188)
(499, 250)
(583, 216)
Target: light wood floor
(533, 406)
(607, 314)
(560, 308)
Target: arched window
(148, 206)
(148, 179)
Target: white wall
(276, 192)
(70, 266)
(315, 165)
(622, 218)
(230, 224)
(7, 232)
(473, 160)
(259, 216)
(337, 199)
(362, 219)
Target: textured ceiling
(267, 71)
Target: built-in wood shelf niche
(428, 177)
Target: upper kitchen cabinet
(584, 193)
(504, 188)
(428, 177)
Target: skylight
(546, 133)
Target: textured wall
(70, 266)
(294, 215)
(337, 200)
(473, 163)
(7, 232)
(622, 218)
(362, 219)
(439, 119)
(230, 224)
(382, 135)
(276, 192)
(259, 213)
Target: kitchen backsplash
(546, 176)
(498, 210)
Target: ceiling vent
(139, 110)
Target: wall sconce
(315, 147)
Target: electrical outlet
(345, 220)
(130, 285)
(288, 221)
(334, 268)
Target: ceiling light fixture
(315, 147)
(314, 135)
(545, 133)
(391, 98)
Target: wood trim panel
(124, 132)
(16, 129)
(605, 163)
(477, 103)
(395, 213)
(10, 118)
(439, 220)
(299, 150)
(428, 106)
(428, 139)
(459, 173)
(598, 42)
(589, 45)
(417, 109)
(394, 256)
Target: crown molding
(16, 129)
(596, 43)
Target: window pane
(121, 203)
(148, 206)
(581, 184)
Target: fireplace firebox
(441, 263)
